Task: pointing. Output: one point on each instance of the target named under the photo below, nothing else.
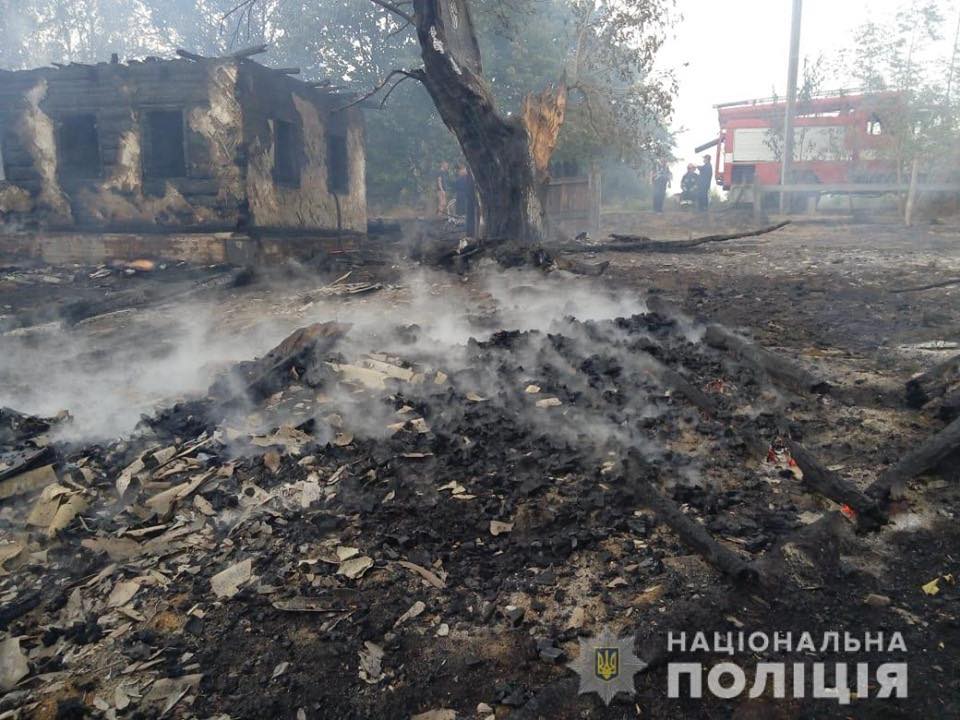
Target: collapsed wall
(195, 145)
(97, 146)
(305, 154)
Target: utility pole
(792, 70)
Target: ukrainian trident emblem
(606, 665)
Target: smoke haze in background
(109, 371)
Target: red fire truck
(838, 139)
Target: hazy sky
(738, 49)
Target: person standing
(704, 181)
(441, 178)
(688, 186)
(661, 181)
(467, 199)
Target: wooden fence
(573, 203)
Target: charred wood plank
(780, 370)
(639, 243)
(933, 383)
(691, 533)
(931, 286)
(927, 456)
(81, 310)
(675, 381)
(821, 542)
(18, 607)
(831, 485)
(250, 51)
(949, 409)
(263, 376)
(816, 475)
(719, 337)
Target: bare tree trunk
(498, 149)
(911, 195)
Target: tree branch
(636, 243)
(400, 29)
(407, 74)
(239, 7)
(395, 9)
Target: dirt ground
(581, 553)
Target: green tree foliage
(903, 56)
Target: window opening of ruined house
(338, 169)
(874, 126)
(286, 153)
(78, 145)
(164, 155)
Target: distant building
(185, 145)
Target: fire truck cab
(838, 139)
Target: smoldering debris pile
(314, 534)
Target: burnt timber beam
(690, 532)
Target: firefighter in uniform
(704, 179)
(688, 186)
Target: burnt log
(186, 54)
(927, 456)
(780, 370)
(250, 51)
(933, 383)
(719, 337)
(949, 408)
(690, 533)
(931, 286)
(675, 381)
(819, 544)
(831, 485)
(640, 243)
(264, 376)
(81, 310)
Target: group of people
(464, 192)
(694, 185)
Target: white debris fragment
(549, 402)
(371, 663)
(226, 583)
(345, 552)
(356, 567)
(441, 714)
(13, 664)
(415, 611)
(123, 593)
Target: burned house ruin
(176, 157)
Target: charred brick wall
(73, 140)
(175, 144)
(305, 154)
